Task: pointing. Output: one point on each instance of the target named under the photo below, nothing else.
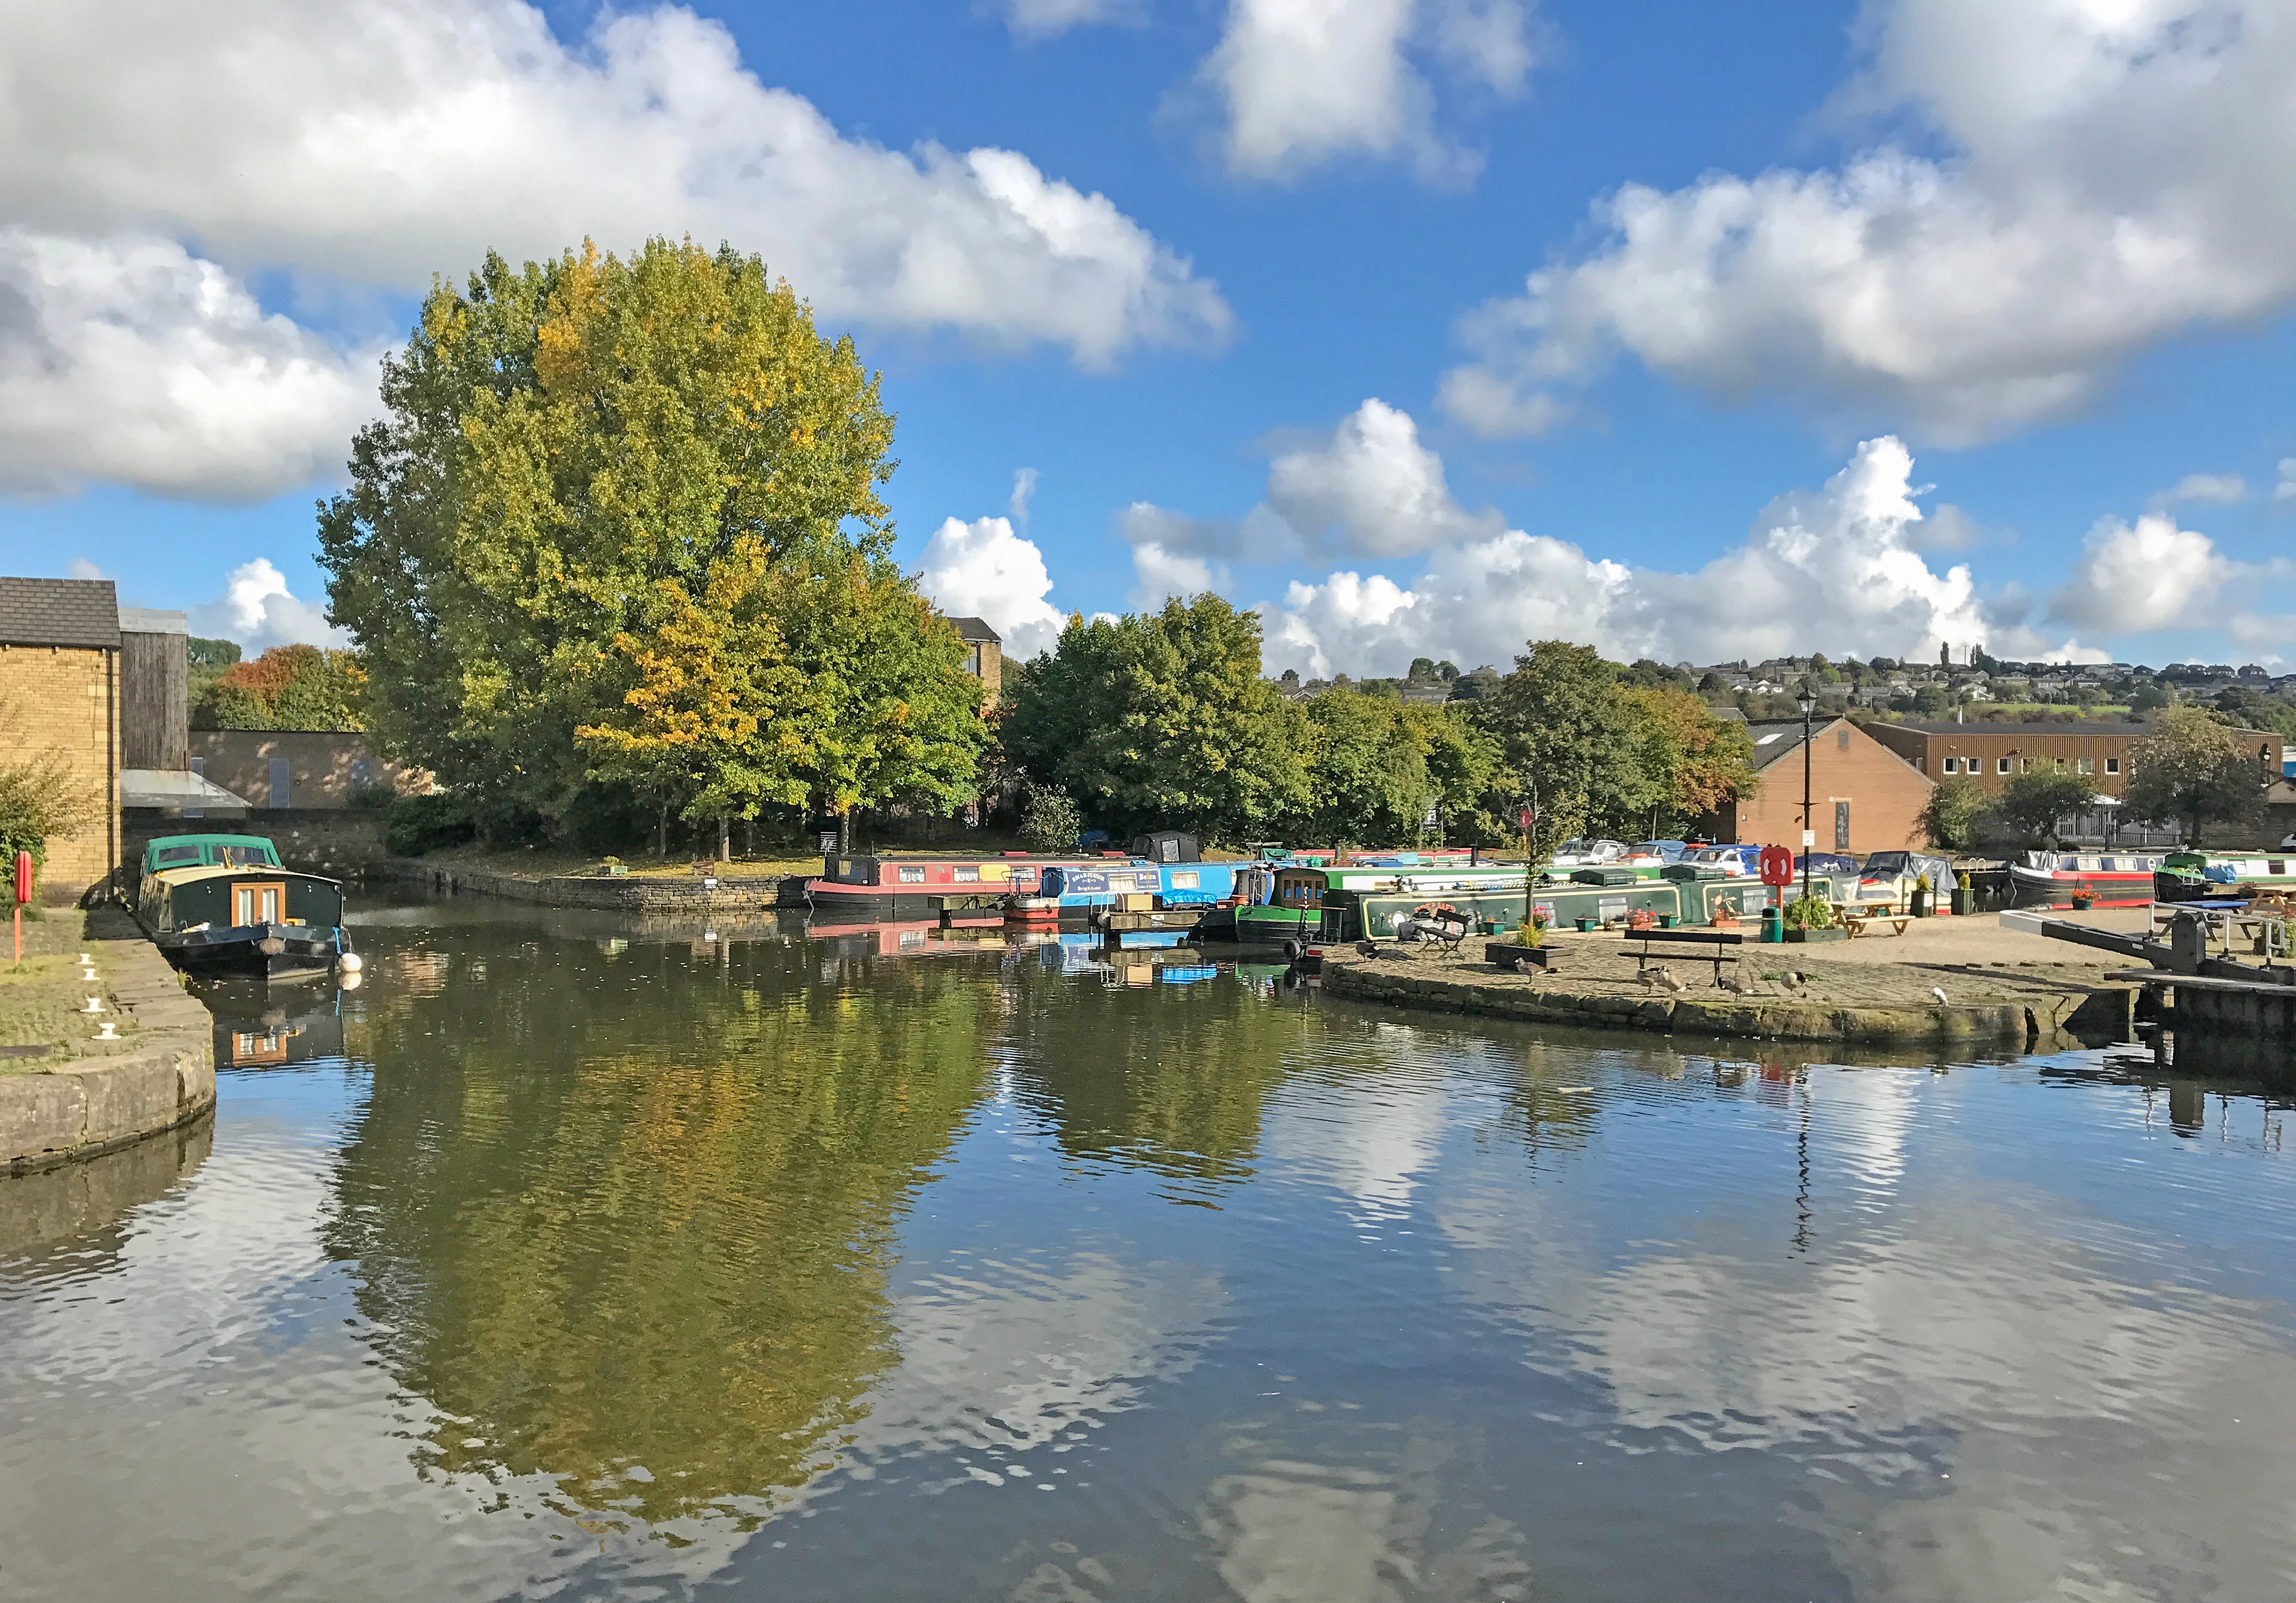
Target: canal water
(562, 1260)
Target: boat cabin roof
(165, 851)
(193, 874)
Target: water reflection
(610, 1262)
(627, 1225)
(76, 1217)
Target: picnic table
(1856, 922)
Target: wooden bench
(1714, 942)
(1856, 922)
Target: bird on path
(1366, 949)
(1659, 978)
(1735, 985)
(1792, 981)
(1937, 993)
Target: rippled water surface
(560, 1262)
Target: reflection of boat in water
(226, 905)
(910, 937)
(248, 1036)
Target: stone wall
(627, 895)
(344, 842)
(66, 700)
(160, 1077)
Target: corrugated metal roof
(59, 612)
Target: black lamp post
(1807, 699)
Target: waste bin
(1774, 926)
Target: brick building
(60, 679)
(1864, 797)
(278, 768)
(984, 656)
(1993, 754)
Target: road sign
(1777, 867)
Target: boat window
(1189, 880)
(913, 876)
(166, 855)
(246, 856)
(2276, 866)
(968, 874)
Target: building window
(2003, 768)
(1952, 765)
(2085, 765)
(2061, 764)
(2113, 764)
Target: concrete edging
(161, 1080)
(599, 894)
(1999, 1023)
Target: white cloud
(2223, 489)
(1034, 19)
(1024, 491)
(368, 145)
(2151, 575)
(1302, 82)
(257, 610)
(1374, 486)
(80, 567)
(983, 569)
(130, 360)
(2286, 490)
(1835, 571)
(2113, 178)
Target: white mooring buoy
(350, 962)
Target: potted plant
(1529, 947)
(1921, 907)
(1809, 920)
(612, 868)
(1962, 894)
(2083, 900)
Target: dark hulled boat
(226, 905)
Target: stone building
(1993, 754)
(984, 656)
(60, 680)
(282, 768)
(1864, 797)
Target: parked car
(1588, 853)
(1661, 851)
(1736, 859)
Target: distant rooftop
(977, 629)
(59, 612)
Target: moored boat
(878, 888)
(2115, 879)
(226, 905)
(2204, 876)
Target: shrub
(1809, 912)
(425, 823)
(1051, 822)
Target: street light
(1807, 699)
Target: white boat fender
(350, 962)
(351, 980)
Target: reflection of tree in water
(1169, 1083)
(624, 1219)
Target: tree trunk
(662, 832)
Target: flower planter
(1509, 956)
(1961, 899)
(1588, 926)
(1810, 938)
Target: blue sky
(2022, 267)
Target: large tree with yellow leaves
(594, 536)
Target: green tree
(1366, 773)
(1699, 763)
(1569, 737)
(558, 440)
(2147, 699)
(2032, 804)
(1160, 719)
(2193, 770)
(2246, 709)
(1954, 817)
(288, 687)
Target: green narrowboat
(2202, 876)
(1330, 905)
(226, 905)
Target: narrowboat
(880, 888)
(2115, 879)
(1348, 904)
(2202, 876)
(224, 904)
